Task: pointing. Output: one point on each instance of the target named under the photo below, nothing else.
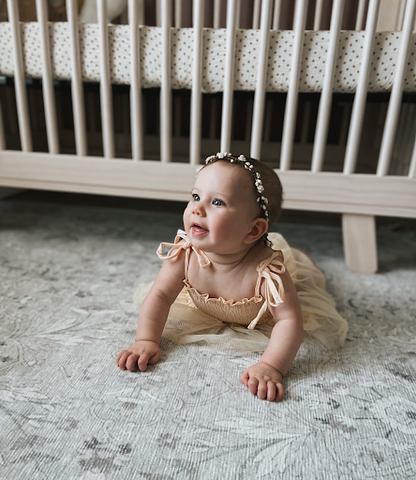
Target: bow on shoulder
(270, 270)
(182, 243)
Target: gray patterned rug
(67, 275)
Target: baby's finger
(119, 356)
(244, 378)
(271, 391)
(155, 358)
(131, 362)
(280, 392)
(121, 359)
(262, 390)
(143, 361)
(252, 385)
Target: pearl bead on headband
(242, 160)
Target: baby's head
(234, 200)
(265, 183)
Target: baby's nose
(198, 209)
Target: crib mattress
(386, 47)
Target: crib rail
(358, 196)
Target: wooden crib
(132, 109)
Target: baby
(226, 262)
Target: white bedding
(385, 52)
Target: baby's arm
(264, 379)
(152, 317)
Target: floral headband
(242, 160)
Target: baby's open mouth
(198, 230)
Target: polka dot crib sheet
(385, 52)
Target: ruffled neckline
(231, 303)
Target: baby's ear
(259, 228)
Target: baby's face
(222, 208)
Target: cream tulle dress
(245, 326)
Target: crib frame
(358, 197)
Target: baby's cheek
(185, 214)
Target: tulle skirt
(321, 321)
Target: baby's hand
(264, 381)
(140, 354)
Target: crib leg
(360, 243)
(9, 192)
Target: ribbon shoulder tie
(270, 270)
(182, 243)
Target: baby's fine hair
(273, 190)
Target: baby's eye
(218, 203)
(196, 197)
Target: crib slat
(196, 98)
(259, 95)
(140, 12)
(158, 8)
(360, 15)
(76, 80)
(390, 125)
(135, 83)
(292, 94)
(276, 14)
(357, 116)
(47, 78)
(165, 93)
(227, 100)
(238, 21)
(318, 15)
(105, 84)
(19, 78)
(401, 16)
(256, 15)
(217, 14)
(325, 102)
(178, 13)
